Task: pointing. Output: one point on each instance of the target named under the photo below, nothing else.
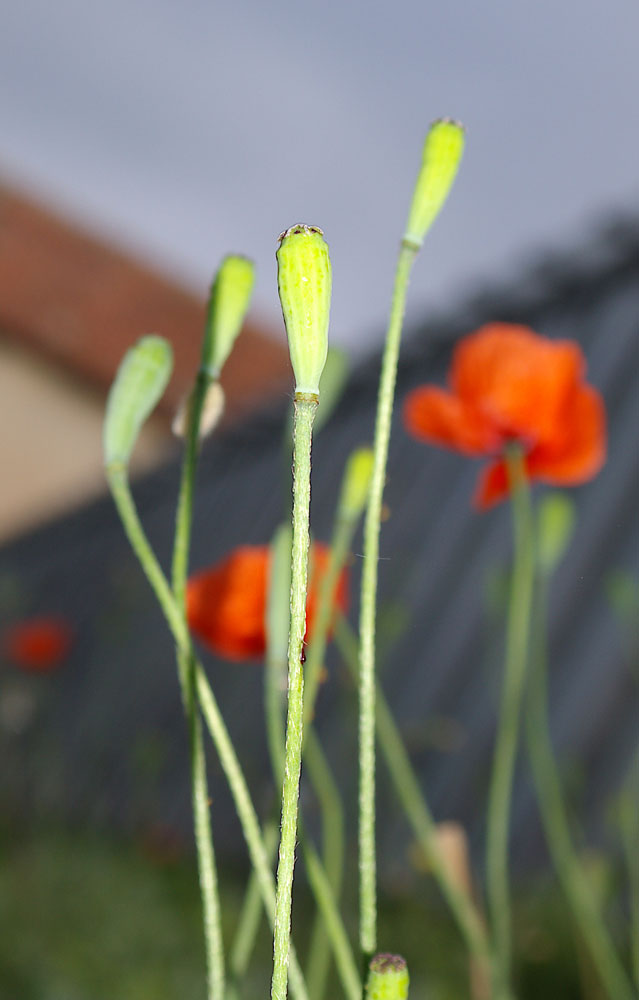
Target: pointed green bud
(387, 978)
(356, 483)
(442, 155)
(304, 282)
(228, 305)
(141, 379)
(555, 526)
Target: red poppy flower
(508, 384)
(226, 604)
(38, 645)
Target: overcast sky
(188, 130)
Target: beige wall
(51, 441)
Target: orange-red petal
(575, 454)
(38, 645)
(577, 450)
(492, 485)
(516, 379)
(432, 414)
(226, 604)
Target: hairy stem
(367, 855)
(305, 407)
(500, 795)
(212, 716)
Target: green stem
(557, 827)
(325, 876)
(210, 710)
(411, 797)
(181, 546)
(500, 795)
(209, 890)
(367, 857)
(305, 407)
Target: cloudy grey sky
(187, 130)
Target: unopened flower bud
(212, 411)
(442, 155)
(141, 379)
(387, 978)
(228, 305)
(356, 482)
(304, 281)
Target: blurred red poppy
(509, 384)
(226, 604)
(38, 645)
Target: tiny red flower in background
(509, 384)
(226, 604)
(38, 645)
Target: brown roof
(82, 303)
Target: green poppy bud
(304, 281)
(228, 305)
(442, 155)
(356, 482)
(387, 978)
(555, 526)
(141, 379)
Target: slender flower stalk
(442, 154)
(212, 716)
(413, 802)
(555, 818)
(500, 795)
(304, 282)
(141, 379)
(305, 406)
(326, 875)
(229, 300)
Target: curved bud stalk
(139, 384)
(441, 157)
(228, 305)
(304, 282)
(387, 978)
